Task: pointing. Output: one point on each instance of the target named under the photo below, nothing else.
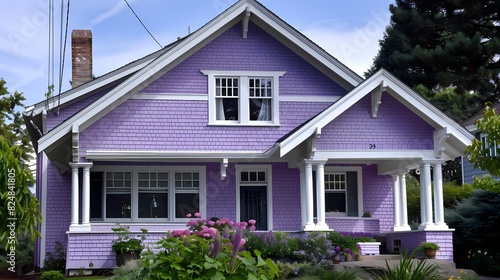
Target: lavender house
(246, 119)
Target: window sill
(252, 124)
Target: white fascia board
(307, 45)
(123, 91)
(160, 155)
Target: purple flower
(348, 251)
(197, 215)
(211, 223)
(337, 249)
(188, 215)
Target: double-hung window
(490, 148)
(243, 97)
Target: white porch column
(438, 197)
(426, 196)
(303, 202)
(74, 194)
(86, 195)
(404, 203)
(320, 197)
(309, 197)
(396, 203)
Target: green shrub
(52, 275)
(476, 221)
(130, 270)
(56, 260)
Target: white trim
(171, 169)
(309, 98)
(269, 189)
(374, 154)
(171, 96)
(164, 155)
(43, 209)
(459, 136)
(204, 97)
(243, 77)
(359, 171)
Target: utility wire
(161, 47)
(63, 55)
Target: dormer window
(243, 97)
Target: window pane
(262, 176)
(96, 180)
(163, 176)
(143, 176)
(253, 176)
(118, 206)
(260, 109)
(186, 203)
(244, 176)
(335, 202)
(227, 109)
(153, 205)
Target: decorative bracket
(223, 168)
(75, 139)
(440, 137)
(311, 143)
(377, 98)
(245, 22)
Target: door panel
(253, 205)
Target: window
(335, 192)
(243, 97)
(490, 150)
(165, 193)
(343, 191)
(118, 193)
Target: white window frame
(345, 169)
(135, 191)
(485, 145)
(269, 175)
(244, 97)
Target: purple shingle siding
(377, 196)
(411, 240)
(167, 125)
(258, 52)
(57, 216)
(395, 128)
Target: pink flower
(188, 215)
(252, 228)
(252, 222)
(211, 223)
(197, 215)
(242, 242)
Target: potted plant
(125, 246)
(429, 249)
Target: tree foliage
(476, 221)
(444, 43)
(17, 204)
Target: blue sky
(348, 30)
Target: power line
(161, 47)
(63, 54)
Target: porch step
(382, 257)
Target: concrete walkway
(446, 269)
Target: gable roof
(155, 68)
(470, 124)
(385, 83)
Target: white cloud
(120, 5)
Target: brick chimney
(81, 57)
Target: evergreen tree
(444, 43)
(18, 207)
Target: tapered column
(74, 195)
(396, 202)
(438, 197)
(86, 195)
(320, 197)
(404, 203)
(309, 197)
(303, 201)
(426, 196)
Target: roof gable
(243, 10)
(382, 82)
